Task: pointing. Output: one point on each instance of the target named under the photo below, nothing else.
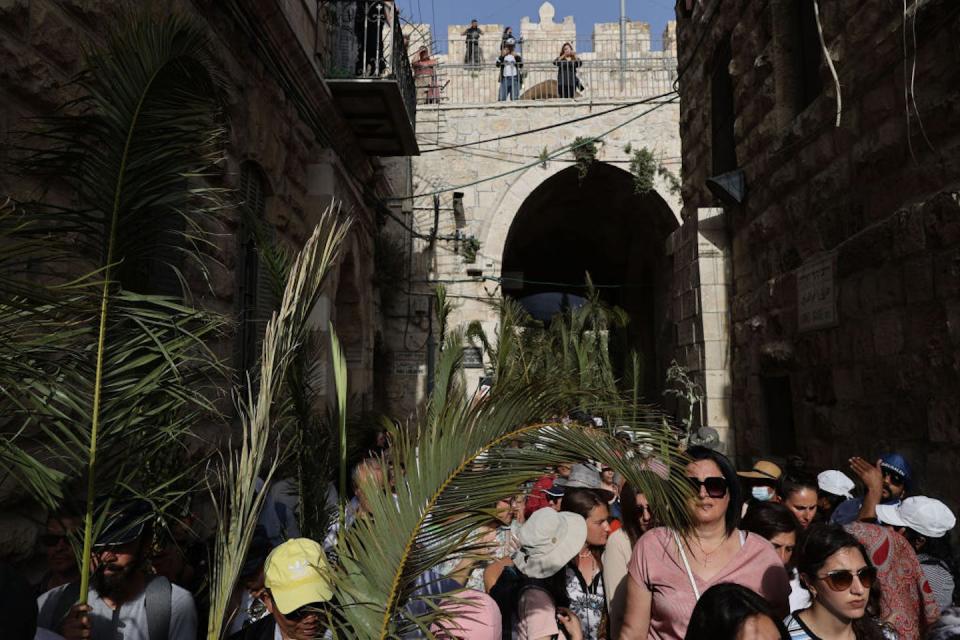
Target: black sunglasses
(302, 612)
(716, 486)
(52, 539)
(841, 579)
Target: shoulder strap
(157, 604)
(57, 606)
(686, 565)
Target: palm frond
(238, 501)
(133, 151)
(448, 475)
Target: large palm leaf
(449, 472)
(107, 373)
(238, 502)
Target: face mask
(762, 494)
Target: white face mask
(763, 494)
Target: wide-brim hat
(584, 476)
(548, 541)
(763, 470)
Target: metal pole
(623, 42)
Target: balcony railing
(366, 59)
(605, 79)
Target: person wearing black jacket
(567, 63)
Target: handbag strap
(686, 565)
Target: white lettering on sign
(817, 294)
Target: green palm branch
(105, 371)
(237, 500)
(448, 473)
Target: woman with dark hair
(799, 491)
(637, 520)
(669, 569)
(843, 586)
(584, 573)
(728, 612)
(776, 523)
(567, 63)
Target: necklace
(704, 554)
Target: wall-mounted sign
(409, 363)
(817, 293)
(472, 358)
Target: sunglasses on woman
(841, 579)
(716, 486)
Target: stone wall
(305, 164)
(490, 208)
(846, 252)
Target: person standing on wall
(472, 34)
(510, 63)
(567, 63)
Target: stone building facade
(292, 149)
(531, 221)
(837, 274)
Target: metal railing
(541, 49)
(365, 41)
(593, 80)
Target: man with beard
(887, 482)
(297, 594)
(124, 601)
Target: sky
(441, 13)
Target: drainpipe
(623, 42)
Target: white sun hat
(835, 482)
(548, 541)
(927, 516)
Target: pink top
(536, 615)
(656, 565)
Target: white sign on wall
(817, 293)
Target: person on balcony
(473, 33)
(510, 64)
(425, 77)
(507, 38)
(567, 80)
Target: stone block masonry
(876, 198)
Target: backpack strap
(56, 607)
(157, 604)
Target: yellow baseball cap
(297, 574)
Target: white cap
(835, 482)
(926, 516)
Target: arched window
(258, 296)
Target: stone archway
(565, 227)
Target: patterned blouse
(907, 603)
(587, 601)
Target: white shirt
(129, 621)
(509, 65)
(799, 596)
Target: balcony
(370, 77)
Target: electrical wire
(517, 134)
(550, 156)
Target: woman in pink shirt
(669, 569)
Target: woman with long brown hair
(567, 63)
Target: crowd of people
(767, 552)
